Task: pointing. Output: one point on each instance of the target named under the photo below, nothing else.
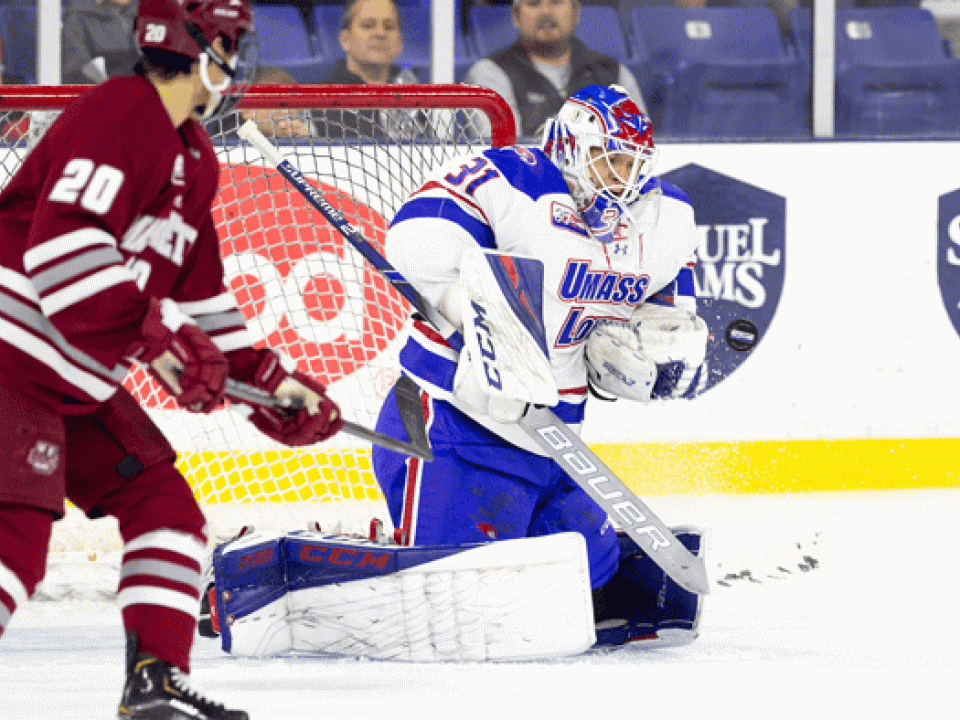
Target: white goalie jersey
(514, 200)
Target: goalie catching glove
(181, 357)
(307, 415)
(660, 353)
(676, 340)
(615, 365)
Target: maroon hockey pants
(161, 525)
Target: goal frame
(296, 97)
(502, 129)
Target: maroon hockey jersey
(113, 206)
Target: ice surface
(872, 635)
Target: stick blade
(689, 572)
(411, 414)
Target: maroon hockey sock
(24, 536)
(164, 633)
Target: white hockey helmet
(601, 125)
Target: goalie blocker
(504, 600)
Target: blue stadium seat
(284, 41)
(326, 26)
(600, 29)
(894, 74)
(720, 73)
(18, 38)
(415, 20)
(491, 28)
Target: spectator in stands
(275, 123)
(99, 40)
(371, 37)
(547, 64)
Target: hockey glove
(181, 357)
(308, 415)
(676, 341)
(616, 366)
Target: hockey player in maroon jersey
(108, 254)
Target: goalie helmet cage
(301, 286)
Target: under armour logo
(621, 248)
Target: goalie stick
(409, 406)
(556, 439)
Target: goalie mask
(190, 28)
(603, 145)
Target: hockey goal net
(301, 286)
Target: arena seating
(895, 75)
(720, 73)
(284, 41)
(18, 39)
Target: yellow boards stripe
(785, 465)
(649, 468)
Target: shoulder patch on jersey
(528, 170)
(564, 216)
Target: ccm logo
(486, 346)
(344, 556)
(258, 558)
(626, 510)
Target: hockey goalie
(568, 269)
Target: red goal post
(301, 286)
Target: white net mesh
(301, 286)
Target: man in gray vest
(547, 64)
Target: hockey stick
(418, 446)
(556, 439)
(168, 367)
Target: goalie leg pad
(512, 599)
(641, 604)
(250, 596)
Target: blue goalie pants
(480, 487)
